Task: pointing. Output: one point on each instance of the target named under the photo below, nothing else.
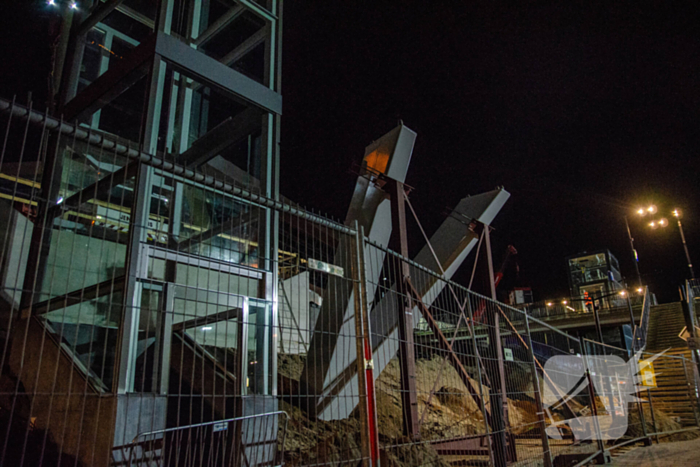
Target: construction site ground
(676, 454)
(449, 413)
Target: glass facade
(160, 252)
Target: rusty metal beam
(407, 358)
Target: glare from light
(564, 302)
(51, 3)
(59, 200)
(73, 6)
(206, 328)
(652, 209)
(677, 213)
(639, 290)
(549, 303)
(623, 293)
(663, 222)
(641, 212)
(653, 224)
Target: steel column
(409, 395)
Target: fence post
(365, 368)
(694, 391)
(653, 417)
(546, 452)
(640, 405)
(470, 324)
(591, 392)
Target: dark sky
(581, 110)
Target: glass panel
(131, 20)
(207, 223)
(148, 350)
(259, 348)
(123, 115)
(211, 321)
(89, 330)
(94, 53)
(224, 31)
(76, 260)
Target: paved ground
(678, 454)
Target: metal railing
(250, 440)
(641, 331)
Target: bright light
(641, 211)
(653, 224)
(73, 6)
(677, 213)
(564, 302)
(206, 328)
(623, 293)
(549, 304)
(652, 209)
(51, 3)
(663, 222)
(639, 290)
(59, 200)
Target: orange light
(377, 161)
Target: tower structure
(142, 269)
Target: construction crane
(510, 251)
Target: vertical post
(497, 395)
(691, 389)
(481, 383)
(591, 394)
(629, 308)
(596, 316)
(365, 368)
(546, 451)
(635, 258)
(409, 396)
(640, 406)
(685, 248)
(653, 417)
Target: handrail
(639, 336)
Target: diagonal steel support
(447, 347)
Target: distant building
(520, 296)
(593, 274)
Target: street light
(678, 214)
(663, 222)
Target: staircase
(666, 322)
(674, 395)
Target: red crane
(510, 251)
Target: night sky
(582, 111)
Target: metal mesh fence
(153, 314)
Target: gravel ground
(677, 454)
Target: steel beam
(215, 73)
(407, 358)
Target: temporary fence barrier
(155, 314)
